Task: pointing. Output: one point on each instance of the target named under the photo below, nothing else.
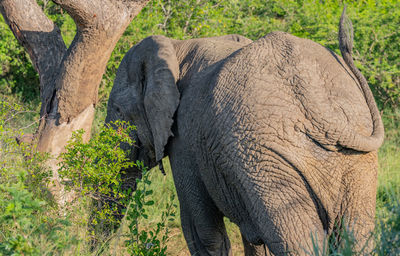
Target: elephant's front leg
(254, 250)
(202, 222)
(204, 231)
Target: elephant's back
(197, 55)
(280, 76)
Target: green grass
(389, 153)
(389, 172)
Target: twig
(17, 113)
(29, 125)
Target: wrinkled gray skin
(279, 135)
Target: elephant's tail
(353, 139)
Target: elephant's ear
(157, 69)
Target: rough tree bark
(69, 78)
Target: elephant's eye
(117, 109)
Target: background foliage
(376, 53)
(377, 50)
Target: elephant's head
(145, 94)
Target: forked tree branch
(84, 13)
(100, 24)
(89, 12)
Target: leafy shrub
(20, 157)
(96, 169)
(29, 224)
(147, 242)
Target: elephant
(280, 135)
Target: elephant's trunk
(353, 139)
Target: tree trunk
(69, 78)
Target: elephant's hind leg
(359, 201)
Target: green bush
(96, 169)
(29, 222)
(20, 161)
(147, 242)
(29, 226)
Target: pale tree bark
(69, 78)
